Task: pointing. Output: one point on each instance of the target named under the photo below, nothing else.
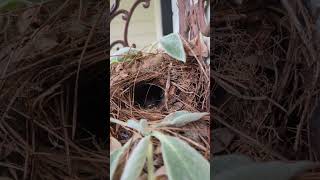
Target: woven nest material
(265, 82)
(37, 92)
(183, 86)
(176, 85)
(313, 174)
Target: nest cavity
(154, 85)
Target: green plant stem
(118, 122)
(150, 162)
(152, 46)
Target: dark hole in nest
(147, 95)
(92, 103)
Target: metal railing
(126, 16)
(191, 19)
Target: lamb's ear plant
(171, 44)
(239, 167)
(7, 5)
(5, 178)
(136, 161)
(123, 54)
(115, 157)
(180, 118)
(180, 159)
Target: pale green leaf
(208, 61)
(315, 6)
(134, 124)
(241, 168)
(318, 24)
(136, 161)
(181, 118)
(7, 5)
(113, 120)
(143, 123)
(140, 126)
(228, 163)
(5, 178)
(173, 46)
(120, 55)
(182, 162)
(115, 157)
(143, 126)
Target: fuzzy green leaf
(136, 161)
(241, 168)
(182, 162)
(181, 118)
(119, 56)
(134, 124)
(143, 124)
(139, 126)
(115, 157)
(314, 7)
(228, 163)
(173, 46)
(113, 120)
(5, 178)
(7, 5)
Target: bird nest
(151, 86)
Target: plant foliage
(181, 160)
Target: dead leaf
(198, 46)
(114, 144)
(13, 172)
(158, 161)
(143, 177)
(152, 62)
(222, 138)
(163, 177)
(160, 171)
(5, 178)
(161, 174)
(157, 150)
(26, 18)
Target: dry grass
(184, 87)
(265, 78)
(38, 113)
